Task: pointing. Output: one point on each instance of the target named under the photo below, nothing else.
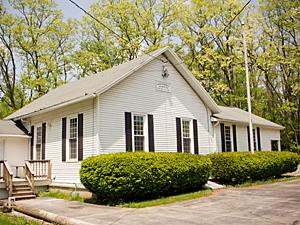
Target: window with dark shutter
(64, 138)
(43, 141)
(195, 134)
(222, 127)
(80, 137)
(150, 133)
(178, 134)
(128, 132)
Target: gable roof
(231, 114)
(9, 129)
(96, 84)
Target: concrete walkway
(261, 205)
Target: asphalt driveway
(260, 205)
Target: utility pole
(248, 91)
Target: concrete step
(23, 197)
(18, 193)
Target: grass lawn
(168, 200)
(268, 181)
(61, 195)
(7, 219)
(164, 200)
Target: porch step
(19, 193)
(23, 197)
(22, 190)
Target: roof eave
(277, 127)
(190, 78)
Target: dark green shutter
(150, 133)
(248, 134)
(178, 134)
(222, 136)
(195, 134)
(234, 138)
(43, 141)
(64, 138)
(258, 139)
(128, 132)
(80, 137)
(31, 142)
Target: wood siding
(67, 172)
(138, 94)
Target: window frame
(186, 119)
(68, 133)
(38, 126)
(145, 131)
(228, 127)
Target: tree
(44, 42)
(130, 28)
(11, 94)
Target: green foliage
(61, 195)
(138, 176)
(238, 167)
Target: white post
(248, 91)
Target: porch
(25, 180)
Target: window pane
(38, 151)
(186, 128)
(186, 145)
(138, 125)
(73, 139)
(138, 131)
(39, 135)
(73, 128)
(227, 139)
(73, 148)
(139, 143)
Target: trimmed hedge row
(237, 167)
(138, 176)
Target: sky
(69, 10)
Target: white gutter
(15, 135)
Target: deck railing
(40, 168)
(7, 175)
(29, 175)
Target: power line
(105, 26)
(239, 12)
(115, 33)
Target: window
(274, 145)
(139, 133)
(227, 139)
(186, 136)
(254, 140)
(38, 144)
(73, 139)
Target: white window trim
(68, 159)
(146, 141)
(192, 150)
(35, 141)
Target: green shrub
(238, 167)
(139, 176)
